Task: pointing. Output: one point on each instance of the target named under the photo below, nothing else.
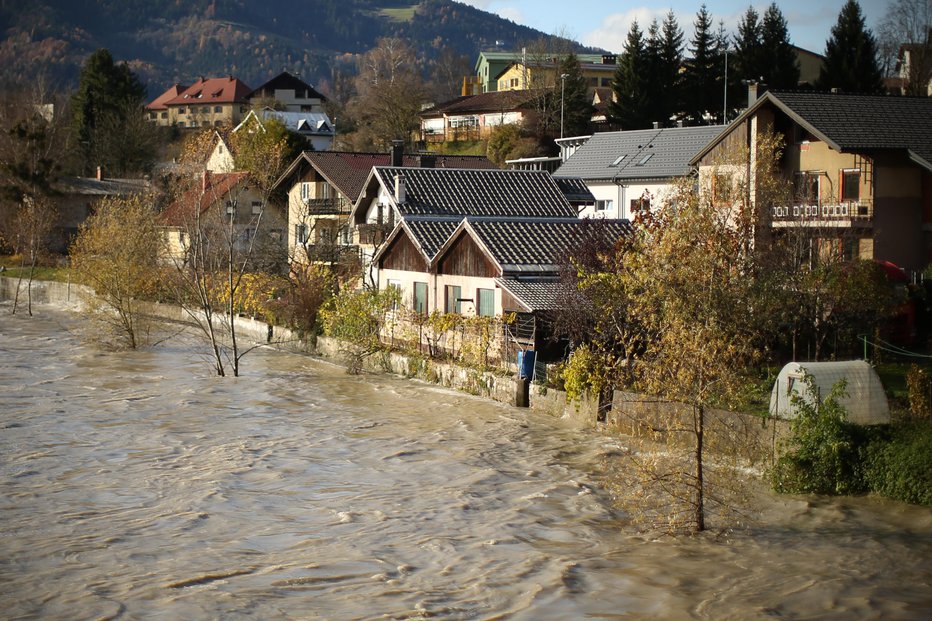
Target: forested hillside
(167, 41)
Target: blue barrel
(526, 363)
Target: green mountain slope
(168, 41)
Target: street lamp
(563, 77)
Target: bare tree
(905, 40)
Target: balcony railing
(325, 206)
(853, 211)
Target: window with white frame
(604, 205)
(394, 284)
(453, 304)
(301, 233)
(420, 298)
(305, 190)
(851, 185)
(806, 191)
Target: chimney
(99, 174)
(752, 93)
(399, 189)
(398, 149)
(428, 160)
(679, 123)
(656, 124)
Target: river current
(136, 485)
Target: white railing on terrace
(860, 210)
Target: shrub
(823, 455)
(898, 463)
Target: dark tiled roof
(284, 81)
(431, 233)
(863, 122)
(91, 186)
(670, 150)
(539, 245)
(536, 294)
(492, 101)
(451, 192)
(574, 189)
(348, 172)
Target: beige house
(208, 102)
(523, 75)
(861, 167)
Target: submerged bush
(899, 463)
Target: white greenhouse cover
(865, 402)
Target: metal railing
(862, 210)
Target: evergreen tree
(108, 95)
(629, 107)
(669, 64)
(780, 69)
(851, 63)
(704, 86)
(748, 53)
(574, 93)
(654, 86)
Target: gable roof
(647, 153)
(210, 188)
(460, 192)
(348, 172)
(159, 102)
(212, 91)
(536, 245)
(91, 186)
(285, 81)
(534, 294)
(427, 233)
(853, 123)
(492, 101)
(575, 189)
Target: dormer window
(619, 159)
(645, 159)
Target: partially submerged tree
(116, 253)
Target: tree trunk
(699, 412)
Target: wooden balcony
(325, 206)
(830, 214)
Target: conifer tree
(851, 63)
(628, 109)
(576, 103)
(669, 63)
(779, 67)
(705, 74)
(748, 47)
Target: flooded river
(135, 485)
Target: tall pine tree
(748, 54)
(704, 86)
(851, 63)
(629, 108)
(779, 67)
(669, 63)
(576, 104)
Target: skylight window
(619, 159)
(645, 159)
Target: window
(721, 187)
(325, 235)
(645, 159)
(640, 204)
(486, 302)
(164, 115)
(851, 185)
(323, 190)
(256, 207)
(218, 123)
(218, 109)
(807, 188)
(300, 233)
(420, 298)
(453, 299)
(192, 124)
(305, 190)
(394, 284)
(604, 205)
(180, 110)
(153, 115)
(619, 159)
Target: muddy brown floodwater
(135, 485)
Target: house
(322, 187)
(228, 206)
(528, 74)
(861, 166)
(913, 70)
(208, 102)
(473, 117)
(490, 64)
(393, 194)
(74, 200)
(487, 266)
(627, 171)
(316, 127)
(288, 93)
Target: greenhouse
(865, 400)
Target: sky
(605, 23)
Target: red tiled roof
(213, 90)
(210, 190)
(159, 102)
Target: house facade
(860, 165)
(473, 117)
(523, 75)
(210, 102)
(74, 201)
(490, 64)
(290, 94)
(628, 171)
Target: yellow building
(528, 74)
(206, 103)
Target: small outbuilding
(865, 401)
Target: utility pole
(563, 77)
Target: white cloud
(479, 4)
(614, 29)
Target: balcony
(830, 214)
(325, 206)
